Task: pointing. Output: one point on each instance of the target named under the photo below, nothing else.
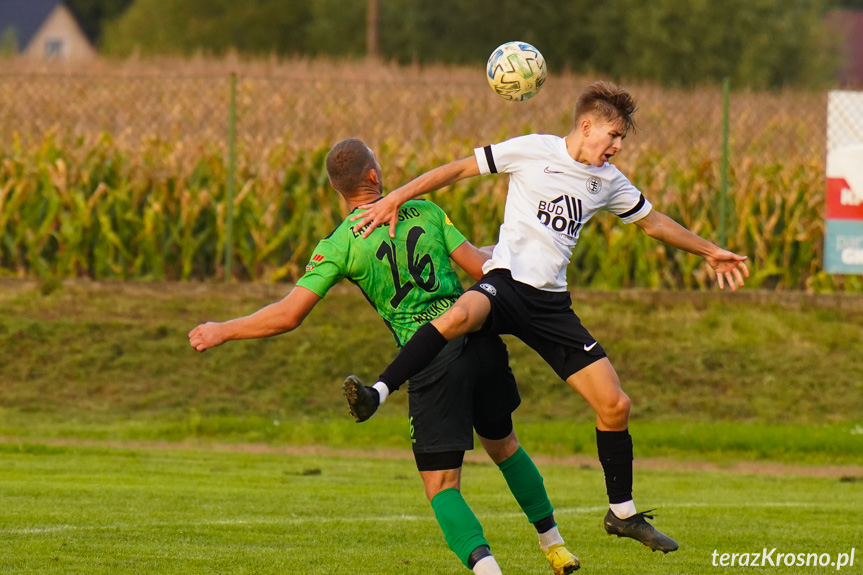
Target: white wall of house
(60, 38)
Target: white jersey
(550, 198)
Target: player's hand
(382, 212)
(205, 336)
(729, 267)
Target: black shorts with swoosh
(543, 320)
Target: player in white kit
(556, 185)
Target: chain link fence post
(723, 165)
(232, 168)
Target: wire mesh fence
(303, 113)
(162, 140)
(128, 109)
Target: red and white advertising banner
(843, 240)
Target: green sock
(460, 527)
(526, 485)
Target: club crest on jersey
(316, 259)
(489, 288)
(562, 214)
(593, 185)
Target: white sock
(623, 510)
(549, 538)
(487, 566)
(383, 391)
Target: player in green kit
(468, 386)
(556, 185)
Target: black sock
(544, 525)
(615, 455)
(415, 355)
(480, 552)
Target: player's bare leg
(461, 529)
(499, 450)
(526, 485)
(466, 315)
(599, 385)
(436, 481)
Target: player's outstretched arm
(471, 258)
(729, 267)
(276, 318)
(386, 210)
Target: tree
(759, 43)
(94, 14)
(373, 20)
(8, 42)
(336, 28)
(763, 43)
(185, 26)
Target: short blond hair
(609, 102)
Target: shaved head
(349, 163)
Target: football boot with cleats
(637, 527)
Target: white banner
(843, 240)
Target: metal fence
(166, 127)
(303, 113)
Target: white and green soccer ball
(516, 71)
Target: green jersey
(408, 279)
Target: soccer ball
(516, 71)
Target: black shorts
(469, 384)
(543, 320)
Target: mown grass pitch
(85, 509)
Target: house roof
(26, 17)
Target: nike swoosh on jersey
(548, 170)
(589, 347)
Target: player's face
(603, 140)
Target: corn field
(112, 175)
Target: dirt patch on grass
(852, 473)
(787, 299)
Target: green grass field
(107, 353)
(72, 509)
(718, 376)
(124, 451)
